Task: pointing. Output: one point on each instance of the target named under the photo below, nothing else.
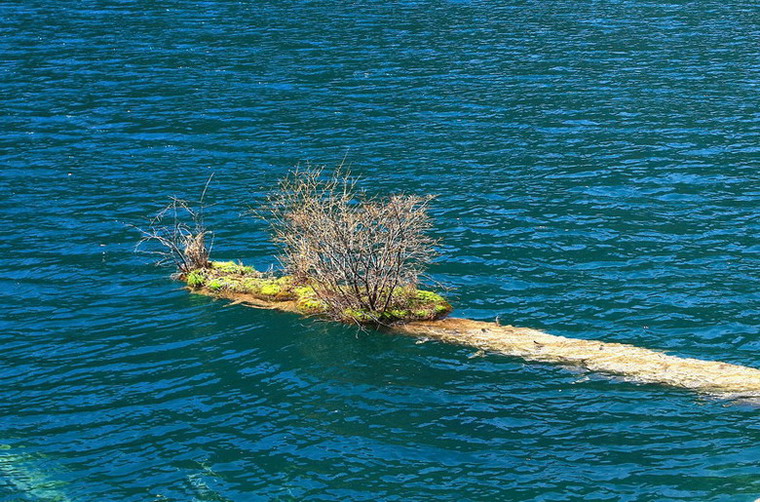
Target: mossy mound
(406, 305)
(230, 278)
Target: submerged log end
(628, 361)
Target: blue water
(597, 171)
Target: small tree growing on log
(357, 252)
(181, 234)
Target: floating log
(622, 360)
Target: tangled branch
(357, 251)
(177, 234)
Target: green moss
(195, 279)
(286, 282)
(428, 297)
(230, 267)
(398, 314)
(250, 286)
(442, 309)
(215, 284)
(358, 316)
(308, 302)
(407, 304)
(311, 306)
(238, 278)
(304, 291)
(270, 288)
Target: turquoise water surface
(596, 166)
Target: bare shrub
(178, 235)
(359, 253)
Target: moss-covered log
(231, 279)
(424, 317)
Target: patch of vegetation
(308, 302)
(196, 278)
(215, 285)
(227, 276)
(362, 255)
(348, 256)
(231, 268)
(406, 304)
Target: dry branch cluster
(357, 252)
(179, 235)
(350, 256)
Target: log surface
(628, 361)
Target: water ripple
(597, 176)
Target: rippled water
(597, 171)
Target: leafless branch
(178, 235)
(358, 252)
